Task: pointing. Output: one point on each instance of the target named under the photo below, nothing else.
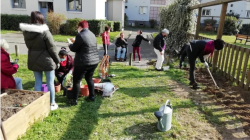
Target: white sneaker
(139, 61)
(53, 106)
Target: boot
(195, 86)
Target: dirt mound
(9, 102)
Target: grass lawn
(7, 31)
(129, 114)
(63, 38)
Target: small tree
(232, 14)
(152, 23)
(231, 25)
(54, 22)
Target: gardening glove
(206, 56)
(149, 42)
(16, 66)
(58, 66)
(206, 65)
(70, 72)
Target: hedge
(117, 26)
(97, 26)
(245, 29)
(70, 27)
(11, 22)
(111, 25)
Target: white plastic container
(166, 68)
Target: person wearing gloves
(202, 49)
(159, 47)
(105, 39)
(136, 44)
(121, 43)
(66, 65)
(42, 53)
(8, 69)
(85, 62)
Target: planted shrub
(231, 25)
(211, 22)
(152, 23)
(97, 26)
(234, 15)
(245, 29)
(111, 25)
(11, 22)
(71, 26)
(54, 22)
(209, 27)
(117, 26)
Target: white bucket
(166, 68)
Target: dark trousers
(138, 50)
(183, 54)
(86, 72)
(191, 58)
(105, 49)
(60, 76)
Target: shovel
(212, 78)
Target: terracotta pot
(57, 87)
(84, 90)
(97, 80)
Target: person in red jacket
(8, 69)
(105, 39)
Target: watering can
(164, 116)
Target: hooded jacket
(42, 52)
(69, 66)
(7, 70)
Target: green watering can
(164, 116)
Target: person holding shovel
(202, 49)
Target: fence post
(130, 59)
(198, 24)
(220, 32)
(17, 50)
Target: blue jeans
(50, 77)
(18, 83)
(119, 54)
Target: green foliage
(54, 22)
(180, 21)
(234, 15)
(231, 25)
(117, 26)
(111, 25)
(212, 22)
(245, 29)
(11, 22)
(70, 28)
(125, 19)
(97, 26)
(152, 22)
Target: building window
(154, 13)
(74, 5)
(158, 2)
(231, 11)
(206, 12)
(126, 7)
(126, 1)
(143, 10)
(18, 4)
(232, 5)
(248, 14)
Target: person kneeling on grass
(8, 69)
(66, 65)
(121, 43)
(202, 49)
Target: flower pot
(57, 87)
(97, 80)
(84, 90)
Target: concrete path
(147, 51)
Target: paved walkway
(147, 51)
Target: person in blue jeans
(42, 54)
(121, 44)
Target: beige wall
(116, 10)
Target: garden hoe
(216, 86)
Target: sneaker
(139, 61)
(53, 106)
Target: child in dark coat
(66, 65)
(202, 49)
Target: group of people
(43, 56)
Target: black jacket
(121, 43)
(42, 52)
(198, 47)
(159, 42)
(138, 40)
(85, 47)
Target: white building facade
(144, 10)
(84, 9)
(240, 7)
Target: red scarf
(63, 63)
(209, 48)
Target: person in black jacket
(159, 47)
(136, 44)
(85, 62)
(202, 49)
(121, 44)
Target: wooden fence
(234, 64)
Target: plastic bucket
(84, 90)
(57, 87)
(97, 80)
(166, 68)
